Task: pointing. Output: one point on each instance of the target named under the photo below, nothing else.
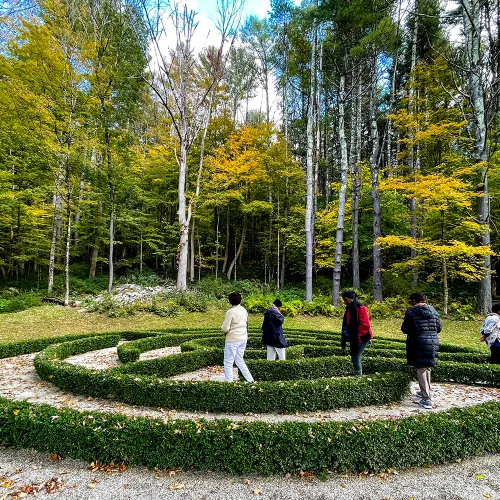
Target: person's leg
(423, 377)
(281, 351)
(428, 374)
(495, 355)
(229, 355)
(271, 353)
(356, 360)
(240, 362)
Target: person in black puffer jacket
(422, 325)
(272, 332)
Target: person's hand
(482, 339)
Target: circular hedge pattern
(315, 377)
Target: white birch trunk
(182, 251)
(56, 227)
(374, 169)
(339, 235)
(310, 179)
(356, 186)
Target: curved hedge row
(144, 383)
(243, 447)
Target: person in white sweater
(235, 328)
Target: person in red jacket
(356, 329)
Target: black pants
(495, 354)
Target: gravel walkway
(24, 472)
(20, 382)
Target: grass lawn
(52, 320)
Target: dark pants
(495, 354)
(356, 360)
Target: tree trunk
(238, 252)
(95, 247)
(445, 288)
(339, 236)
(182, 251)
(111, 238)
(66, 258)
(78, 210)
(226, 252)
(413, 163)
(191, 254)
(141, 236)
(310, 176)
(472, 27)
(374, 169)
(217, 246)
(56, 227)
(356, 187)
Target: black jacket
(272, 328)
(421, 325)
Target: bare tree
(175, 83)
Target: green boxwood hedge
(258, 447)
(143, 383)
(241, 447)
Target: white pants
(233, 354)
(272, 351)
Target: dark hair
(417, 297)
(350, 294)
(278, 303)
(234, 298)
(496, 307)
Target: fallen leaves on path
(176, 486)
(99, 466)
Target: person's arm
(277, 318)
(407, 326)
(363, 321)
(227, 321)
(489, 325)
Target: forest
(127, 147)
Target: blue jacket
(272, 328)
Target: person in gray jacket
(421, 325)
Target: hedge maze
(315, 377)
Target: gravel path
(20, 382)
(23, 472)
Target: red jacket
(365, 332)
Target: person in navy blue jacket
(421, 325)
(272, 332)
